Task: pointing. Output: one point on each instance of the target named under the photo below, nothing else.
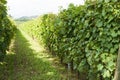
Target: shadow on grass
(23, 63)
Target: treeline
(6, 29)
(86, 37)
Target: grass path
(27, 60)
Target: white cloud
(20, 8)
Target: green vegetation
(86, 37)
(7, 28)
(26, 61)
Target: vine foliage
(87, 36)
(6, 29)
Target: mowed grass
(26, 61)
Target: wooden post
(69, 71)
(117, 71)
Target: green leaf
(107, 1)
(113, 33)
(99, 23)
(112, 50)
(118, 32)
(110, 18)
(106, 73)
(86, 22)
(108, 25)
(114, 0)
(111, 65)
(100, 1)
(103, 12)
(1, 39)
(100, 66)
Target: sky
(19, 8)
